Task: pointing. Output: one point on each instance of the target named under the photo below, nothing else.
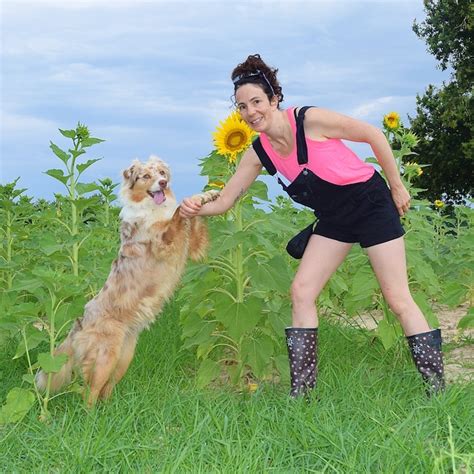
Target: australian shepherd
(155, 245)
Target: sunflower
(233, 136)
(438, 203)
(391, 120)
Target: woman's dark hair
(254, 71)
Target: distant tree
(444, 120)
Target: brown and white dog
(155, 245)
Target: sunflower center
(235, 139)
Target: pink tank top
(331, 159)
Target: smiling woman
(350, 199)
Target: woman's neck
(280, 134)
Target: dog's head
(147, 181)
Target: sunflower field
(234, 306)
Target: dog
(155, 245)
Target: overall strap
(263, 156)
(301, 147)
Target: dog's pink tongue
(159, 197)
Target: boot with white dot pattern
(426, 351)
(302, 351)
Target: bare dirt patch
(458, 343)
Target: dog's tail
(64, 376)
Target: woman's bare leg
(321, 259)
(389, 263)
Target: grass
(369, 414)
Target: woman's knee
(302, 293)
(400, 304)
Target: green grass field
(369, 414)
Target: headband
(256, 74)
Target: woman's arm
(322, 123)
(247, 171)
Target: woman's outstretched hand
(189, 207)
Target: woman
(352, 203)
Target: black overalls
(359, 212)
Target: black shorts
(369, 217)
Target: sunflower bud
(410, 139)
(82, 132)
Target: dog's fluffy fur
(155, 244)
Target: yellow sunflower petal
(232, 136)
(392, 120)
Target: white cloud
(374, 110)
(14, 125)
(373, 107)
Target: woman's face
(254, 106)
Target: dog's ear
(128, 172)
(131, 173)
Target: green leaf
(61, 154)
(83, 203)
(76, 153)
(48, 250)
(257, 352)
(201, 336)
(83, 188)
(454, 293)
(29, 378)
(281, 364)
(59, 175)
(34, 337)
(68, 133)
(83, 166)
(86, 142)
(50, 363)
(387, 334)
(238, 318)
(208, 371)
(259, 190)
(467, 321)
(18, 404)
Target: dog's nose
(162, 183)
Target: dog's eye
(146, 176)
(162, 173)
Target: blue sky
(152, 77)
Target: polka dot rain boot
(426, 351)
(302, 351)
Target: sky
(153, 77)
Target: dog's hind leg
(126, 356)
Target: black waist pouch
(297, 245)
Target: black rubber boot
(302, 351)
(426, 351)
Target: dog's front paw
(208, 196)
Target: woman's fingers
(189, 207)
